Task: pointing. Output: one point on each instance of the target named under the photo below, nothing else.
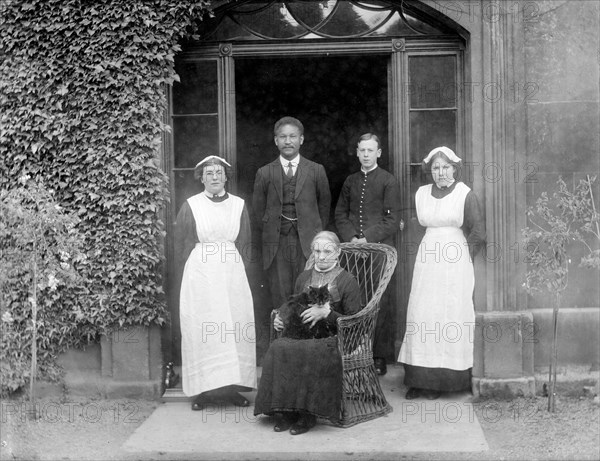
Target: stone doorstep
(448, 424)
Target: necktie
(290, 170)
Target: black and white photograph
(299, 230)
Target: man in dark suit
(291, 204)
(368, 210)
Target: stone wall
(562, 62)
(511, 347)
(126, 363)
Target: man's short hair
(368, 137)
(289, 121)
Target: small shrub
(40, 247)
(568, 218)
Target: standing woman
(215, 305)
(441, 297)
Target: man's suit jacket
(312, 197)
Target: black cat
(290, 314)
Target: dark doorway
(336, 98)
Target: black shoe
(237, 399)
(203, 400)
(380, 366)
(413, 393)
(284, 420)
(304, 424)
(430, 394)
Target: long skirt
(301, 375)
(437, 379)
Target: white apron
(440, 319)
(216, 311)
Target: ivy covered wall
(82, 95)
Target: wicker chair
(372, 264)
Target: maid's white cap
(212, 157)
(444, 150)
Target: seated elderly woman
(302, 378)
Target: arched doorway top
(331, 19)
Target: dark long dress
(306, 374)
(441, 378)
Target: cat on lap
(291, 314)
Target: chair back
(368, 266)
(371, 264)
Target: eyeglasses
(218, 173)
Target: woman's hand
(277, 322)
(315, 313)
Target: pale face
(326, 253)
(214, 178)
(368, 152)
(288, 140)
(442, 172)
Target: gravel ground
(519, 429)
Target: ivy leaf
(36, 146)
(83, 90)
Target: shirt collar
(295, 161)
(449, 186)
(209, 195)
(369, 171)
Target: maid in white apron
(437, 351)
(215, 305)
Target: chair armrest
(355, 332)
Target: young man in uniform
(368, 210)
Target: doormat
(448, 424)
